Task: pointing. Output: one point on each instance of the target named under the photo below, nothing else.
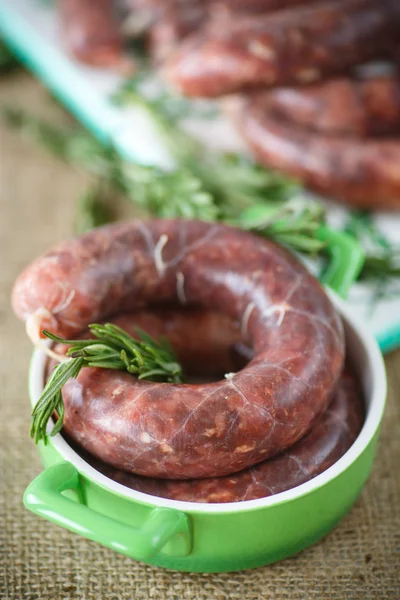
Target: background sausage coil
(343, 106)
(91, 33)
(286, 51)
(297, 46)
(362, 172)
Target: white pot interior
(367, 359)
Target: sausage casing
(328, 440)
(258, 6)
(205, 343)
(188, 430)
(90, 30)
(296, 46)
(361, 172)
(343, 106)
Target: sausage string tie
(246, 316)
(112, 348)
(180, 287)
(158, 259)
(32, 328)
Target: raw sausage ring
(328, 440)
(185, 431)
(218, 347)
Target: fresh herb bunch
(168, 194)
(112, 348)
(235, 182)
(172, 194)
(228, 188)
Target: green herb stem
(206, 185)
(111, 348)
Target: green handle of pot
(346, 260)
(164, 526)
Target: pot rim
(376, 397)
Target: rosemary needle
(111, 348)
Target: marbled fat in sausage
(188, 430)
(297, 46)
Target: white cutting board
(30, 28)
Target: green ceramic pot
(209, 537)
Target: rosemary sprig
(175, 108)
(293, 223)
(232, 188)
(227, 188)
(95, 208)
(228, 183)
(174, 194)
(165, 194)
(73, 145)
(381, 265)
(112, 348)
(361, 225)
(382, 259)
(8, 61)
(234, 181)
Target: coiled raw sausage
(184, 431)
(328, 440)
(300, 45)
(362, 172)
(368, 107)
(209, 343)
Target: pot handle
(44, 497)
(346, 260)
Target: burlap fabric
(360, 560)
